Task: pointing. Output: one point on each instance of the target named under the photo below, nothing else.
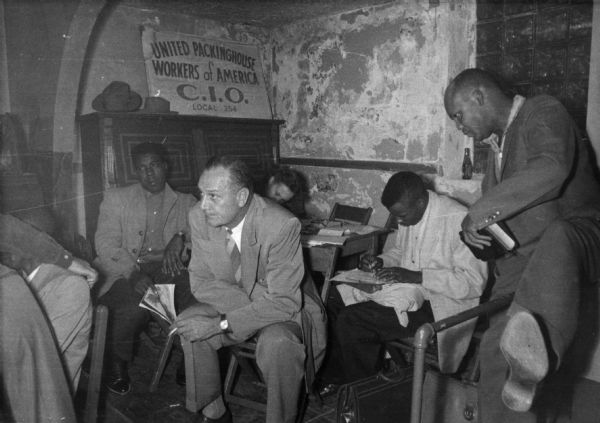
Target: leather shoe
(524, 349)
(328, 390)
(225, 418)
(118, 379)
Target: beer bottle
(467, 165)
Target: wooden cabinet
(107, 140)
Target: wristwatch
(224, 324)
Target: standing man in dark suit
(541, 183)
(247, 273)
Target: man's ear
(478, 97)
(242, 196)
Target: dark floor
(168, 403)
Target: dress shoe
(225, 418)
(524, 348)
(328, 390)
(118, 379)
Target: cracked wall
(368, 85)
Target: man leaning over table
(430, 272)
(247, 273)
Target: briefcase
(447, 399)
(381, 398)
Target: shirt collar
(496, 146)
(236, 232)
(32, 274)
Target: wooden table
(324, 258)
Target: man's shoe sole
(117, 391)
(524, 348)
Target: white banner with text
(205, 77)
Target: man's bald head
(478, 102)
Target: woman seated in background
(286, 187)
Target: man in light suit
(34, 382)
(33, 373)
(63, 295)
(247, 273)
(541, 183)
(140, 240)
(428, 265)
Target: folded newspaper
(160, 300)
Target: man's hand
(472, 237)
(141, 282)
(172, 264)
(198, 322)
(370, 263)
(398, 275)
(82, 268)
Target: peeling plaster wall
(368, 85)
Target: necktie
(234, 255)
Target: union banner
(205, 77)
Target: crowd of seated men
(245, 277)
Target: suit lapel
(507, 151)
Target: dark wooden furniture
(107, 140)
(351, 214)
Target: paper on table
(357, 276)
(160, 300)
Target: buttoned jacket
(274, 286)
(122, 228)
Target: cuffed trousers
(280, 356)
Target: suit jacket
(453, 279)
(24, 240)
(122, 228)
(274, 285)
(546, 174)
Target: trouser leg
(126, 319)
(67, 304)
(363, 329)
(207, 372)
(566, 257)
(332, 370)
(32, 373)
(280, 356)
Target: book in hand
(160, 300)
(503, 242)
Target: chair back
(351, 214)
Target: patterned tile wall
(538, 46)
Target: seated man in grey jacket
(140, 240)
